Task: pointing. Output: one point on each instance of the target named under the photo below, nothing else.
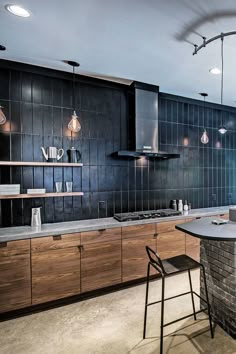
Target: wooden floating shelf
(46, 164)
(42, 195)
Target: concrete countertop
(25, 232)
(204, 229)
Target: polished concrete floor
(113, 324)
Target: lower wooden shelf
(41, 195)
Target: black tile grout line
(55, 106)
(110, 112)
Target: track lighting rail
(206, 42)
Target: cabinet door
(193, 247)
(170, 244)
(100, 265)
(15, 277)
(56, 271)
(134, 256)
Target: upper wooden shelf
(43, 195)
(33, 163)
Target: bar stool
(170, 267)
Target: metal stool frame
(156, 262)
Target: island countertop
(204, 229)
(25, 232)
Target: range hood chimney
(143, 123)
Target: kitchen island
(218, 255)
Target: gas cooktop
(148, 214)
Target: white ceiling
(144, 40)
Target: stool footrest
(201, 298)
(169, 298)
(184, 317)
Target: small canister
(174, 204)
(232, 213)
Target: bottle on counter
(174, 204)
(185, 205)
(180, 205)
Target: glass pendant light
(74, 124)
(3, 118)
(222, 130)
(204, 137)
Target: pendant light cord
(73, 87)
(222, 69)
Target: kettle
(36, 217)
(73, 155)
(53, 154)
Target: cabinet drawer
(138, 230)
(55, 242)
(168, 226)
(13, 248)
(102, 235)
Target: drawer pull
(3, 244)
(155, 235)
(56, 238)
(101, 230)
(80, 248)
(199, 217)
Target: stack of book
(9, 189)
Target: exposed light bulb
(204, 138)
(3, 118)
(215, 71)
(74, 124)
(222, 130)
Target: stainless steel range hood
(143, 123)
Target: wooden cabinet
(134, 256)
(15, 277)
(192, 244)
(55, 267)
(170, 242)
(193, 247)
(100, 259)
(50, 268)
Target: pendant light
(222, 130)
(204, 137)
(74, 124)
(3, 118)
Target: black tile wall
(38, 106)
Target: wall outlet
(213, 197)
(102, 209)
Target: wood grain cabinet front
(192, 244)
(170, 242)
(193, 247)
(134, 256)
(55, 267)
(15, 276)
(100, 259)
